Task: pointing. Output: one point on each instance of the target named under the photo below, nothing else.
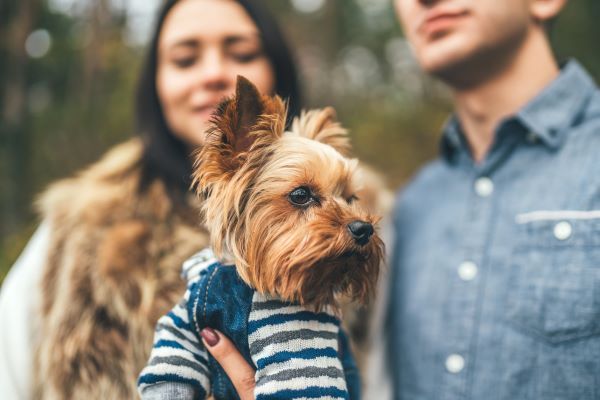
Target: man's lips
(440, 20)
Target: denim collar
(548, 116)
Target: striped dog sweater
(297, 353)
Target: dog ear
(235, 117)
(241, 125)
(246, 118)
(322, 126)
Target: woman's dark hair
(165, 156)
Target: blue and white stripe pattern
(178, 356)
(295, 351)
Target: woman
(104, 264)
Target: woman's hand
(230, 359)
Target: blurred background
(68, 69)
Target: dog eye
(301, 196)
(352, 199)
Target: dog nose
(361, 231)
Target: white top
(19, 315)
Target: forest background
(68, 70)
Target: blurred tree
(60, 109)
(17, 22)
(66, 87)
(577, 33)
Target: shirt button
(455, 363)
(467, 270)
(563, 230)
(484, 186)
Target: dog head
(282, 205)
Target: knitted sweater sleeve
(295, 351)
(178, 364)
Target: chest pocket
(554, 288)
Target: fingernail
(210, 336)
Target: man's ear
(322, 126)
(543, 11)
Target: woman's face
(202, 47)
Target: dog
(289, 239)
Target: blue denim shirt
(496, 267)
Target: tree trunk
(13, 133)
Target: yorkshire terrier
(289, 239)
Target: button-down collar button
(467, 271)
(563, 230)
(532, 137)
(484, 186)
(455, 363)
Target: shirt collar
(556, 109)
(548, 116)
(452, 140)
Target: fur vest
(112, 270)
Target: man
(495, 289)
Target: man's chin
(448, 58)
(444, 69)
(453, 68)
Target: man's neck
(482, 107)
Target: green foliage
(79, 100)
(577, 33)
(79, 97)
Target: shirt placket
(468, 275)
